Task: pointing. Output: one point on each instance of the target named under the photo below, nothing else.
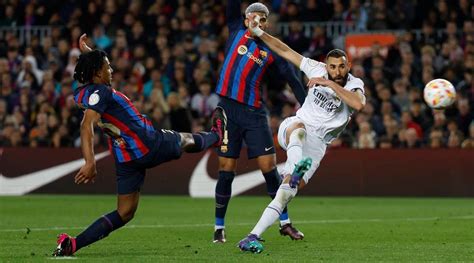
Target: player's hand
(83, 44)
(86, 174)
(319, 81)
(254, 24)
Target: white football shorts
(313, 147)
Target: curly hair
(88, 65)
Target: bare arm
(275, 44)
(83, 44)
(88, 171)
(282, 49)
(355, 99)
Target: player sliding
(135, 144)
(333, 96)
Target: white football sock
(218, 227)
(294, 150)
(283, 196)
(284, 222)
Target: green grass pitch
(180, 229)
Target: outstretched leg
(283, 196)
(126, 206)
(273, 181)
(198, 142)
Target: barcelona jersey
(131, 135)
(247, 61)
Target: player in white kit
(333, 96)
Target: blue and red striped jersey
(247, 60)
(131, 134)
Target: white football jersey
(322, 109)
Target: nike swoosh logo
(268, 149)
(24, 184)
(202, 185)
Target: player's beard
(342, 80)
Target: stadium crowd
(166, 55)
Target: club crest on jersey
(224, 148)
(242, 50)
(263, 54)
(94, 98)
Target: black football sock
(99, 229)
(223, 193)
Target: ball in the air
(439, 93)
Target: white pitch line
(301, 222)
(62, 258)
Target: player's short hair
(257, 7)
(88, 65)
(336, 53)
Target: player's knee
(126, 213)
(299, 133)
(227, 164)
(266, 163)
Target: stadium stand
(166, 55)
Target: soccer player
(333, 96)
(135, 144)
(247, 60)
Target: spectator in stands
(296, 38)
(204, 102)
(401, 15)
(465, 116)
(319, 44)
(378, 16)
(356, 14)
(469, 141)
(316, 10)
(180, 118)
(366, 138)
(160, 47)
(410, 139)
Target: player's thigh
(266, 163)
(130, 177)
(258, 137)
(286, 125)
(235, 128)
(168, 149)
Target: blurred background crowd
(166, 56)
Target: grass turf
(180, 229)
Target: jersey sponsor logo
(326, 101)
(94, 98)
(202, 185)
(244, 51)
(26, 183)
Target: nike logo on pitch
(202, 185)
(268, 149)
(26, 183)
